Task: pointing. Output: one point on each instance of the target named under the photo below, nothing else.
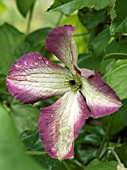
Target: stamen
(72, 82)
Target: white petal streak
(67, 115)
(101, 99)
(34, 78)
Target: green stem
(29, 19)
(75, 163)
(35, 153)
(106, 136)
(114, 154)
(59, 20)
(82, 34)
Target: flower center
(72, 82)
(75, 82)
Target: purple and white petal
(86, 73)
(33, 78)
(100, 98)
(59, 124)
(61, 43)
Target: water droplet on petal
(17, 65)
(53, 149)
(46, 62)
(40, 58)
(36, 63)
(61, 52)
(25, 63)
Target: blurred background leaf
(99, 165)
(10, 40)
(88, 61)
(25, 116)
(12, 155)
(64, 6)
(98, 50)
(3, 8)
(119, 73)
(116, 48)
(119, 24)
(24, 6)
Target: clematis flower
(33, 78)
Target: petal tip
(101, 98)
(66, 30)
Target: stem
(75, 163)
(59, 20)
(29, 19)
(114, 154)
(6, 106)
(105, 136)
(82, 34)
(35, 153)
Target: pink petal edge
(59, 124)
(33, 78)
(100, 98)
(60, 42)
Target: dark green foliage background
(101, 37)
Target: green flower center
(74, 82)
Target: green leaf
(85, 153)
(123, 112)
(99, 43)
(37, 38)
(25, 116)
(87, 61)
(91, 18)
(3, 8)
(10, 38)
(74, 164)
(107, 65)
(100, 165)
(116, 49)
(69, 6)
(2, 83)
(48, 163)
(92, 139)
(12, 155)
(12, 46)
(101, 4)
(33, 143)
(91, 135)
(117, 125)
(24, 6)
(122, 153)
(111, 9)
(23, 48)
(117, 77)
(116, 56)
(119, 23)
(30, 141)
